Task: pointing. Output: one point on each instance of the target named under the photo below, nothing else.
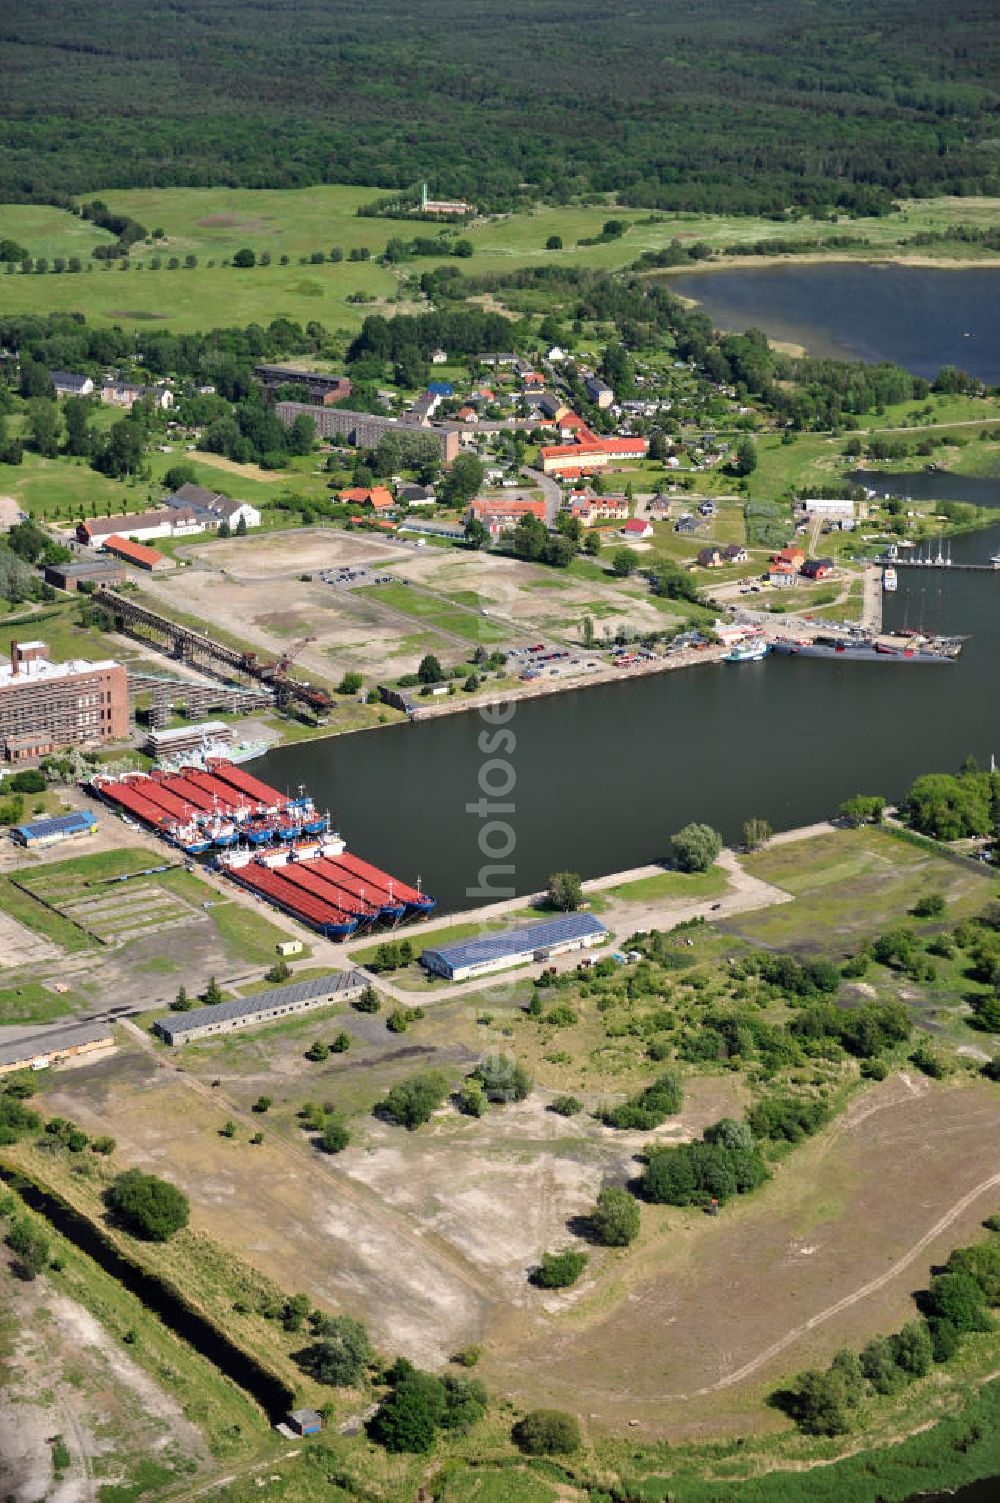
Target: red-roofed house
(591, 509)
(468, 415)
(793, 557)
(501, 516)
(637, 528)
(573, 427)
(379, 497)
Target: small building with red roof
(637, 528)
(137, 554)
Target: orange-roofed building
(137, 554)
(793, 558)
(379, 497)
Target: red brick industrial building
(46, 707)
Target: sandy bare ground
(67, 1376)
(355, 630)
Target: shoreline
(866, 256)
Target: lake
(936, 485)
(920, 317)
(602, 776)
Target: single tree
(695, 848)
(624, 562)
(430, 670)
(565, 891)
(476, 534)
(341, 1355)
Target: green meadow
(213, 223)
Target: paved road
(550, 490)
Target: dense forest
(713, 107)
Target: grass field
(212, 223)
(852, 884)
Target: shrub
(566, 1106)
(148, 1207)
(650, 1107)
(335, 1137)
(503, 1078)
(408, 1418)
(103, 1145)
(318, 1051)
(559, 1270)
(547, 1432)
(615, 1218)
(928, 1062)
(30, 1247)
(368, 1001)
(412, 1102)
(397, 1021)
(340, 1043)
(16, 1119)
(694, 1173)
(472, 1098)
(261, 1104)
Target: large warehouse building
(263, 1007)
(46, 706)
(498, 952)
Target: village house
(817, 568)
(570, 426)
(125, 394)
(782, 574)
(69, 385)
(417, 495)
(212, 508)
(792, 558)
(599, 392)
(378, 497)
(711, 558)
(502, 516)
(637, 529)
(735, 553)
(590, 509)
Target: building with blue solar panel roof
(532, 942)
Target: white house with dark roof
(67, 384)
(212, 508)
